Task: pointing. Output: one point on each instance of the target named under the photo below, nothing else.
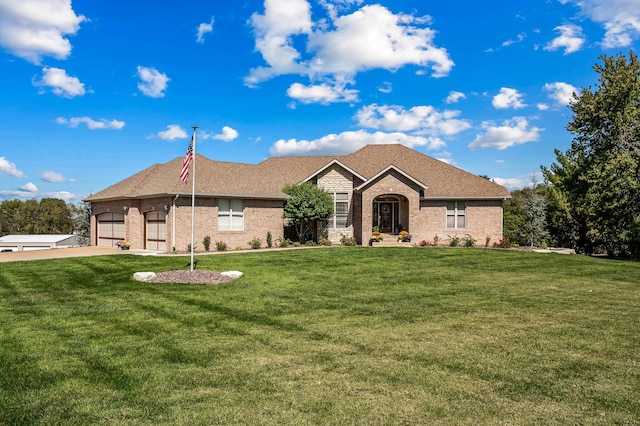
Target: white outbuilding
(37, 242)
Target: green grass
(323, 336)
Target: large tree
(305, 206)
(595, 184)
(47, 216)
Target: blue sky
(95, 91)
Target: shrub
(221, 246)
(424, 243)
(454, 241)
(324, 241)
(487, 241)
(503, 243)
(310, 243)
(347, 241)
(269, 239)
(255, 243)
(468, 241)
(283, 242)
(206, 243)
(436, 240)
(238, 248)
(195, 247)
(296, 243)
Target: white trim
(333, 162)
(385, 171)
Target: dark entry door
(386, 217)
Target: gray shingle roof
(268, 178)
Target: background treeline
(590, 199)
(47, 216)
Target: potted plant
(123, 245)
(404, 237)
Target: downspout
(173, 223)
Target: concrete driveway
(17, 256)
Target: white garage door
(110, 229)
(156, 231)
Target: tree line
(590, 198)
(47, 216)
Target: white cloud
(60, 83)
(369, 38)
(153, 83)
(570, 39)
(422, 119)
(32, 29)
(346, 142)
(445, 157)
(282, 19)
(513, 183)
(29, 187)
(29, 191)
(8, 168)
(386, 87)
(620, 19)
(92, 124)
(561, 92)
(173, 132)
(542, 107)
(322, 93)
(49, 176)
(333, 7)
(228, 134)
(203, 29)
(512, 132)
(454, 97)
(509, 42)
(508, 98)
(373, 37)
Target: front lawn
(331, 336)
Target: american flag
(184, 173)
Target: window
(340, 209)
(230, 215)
(456, 214)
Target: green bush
(269, 239)
(283, 242)
(255, 243)
(323, 241)
(221, 246)
(347, 241)
(206, 243)
(454, 241)
(469, 241)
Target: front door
(386, 217)
(386, 214)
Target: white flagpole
(193, 192)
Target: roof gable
(387, 171)
(330, 164)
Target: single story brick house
(389, 186)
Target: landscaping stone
(232, 274)
(144, 276)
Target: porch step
(391, 240)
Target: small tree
(305, 206)
(82, 222)
(535, 210)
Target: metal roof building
(36, 242)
